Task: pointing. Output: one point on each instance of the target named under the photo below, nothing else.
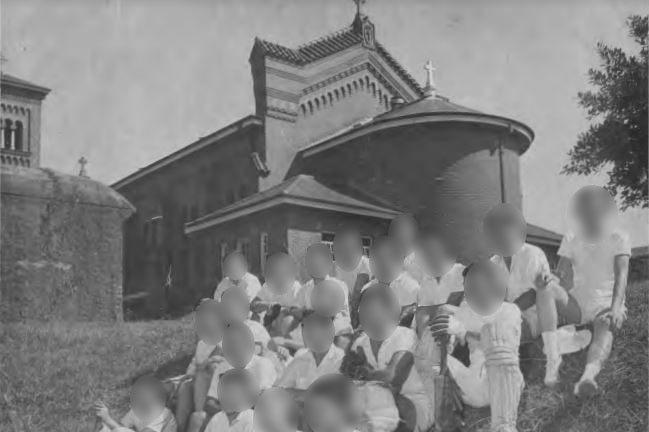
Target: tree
(617, 109)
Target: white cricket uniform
(203, 351)
(287, 298)
(526, 265)
(593, 270)
(435, 290)
(249, 282)
(302, 370)
(349, 277)
(242, 423)
(402, 339)
(261, 368)
(342, 321)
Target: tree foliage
(617, 108)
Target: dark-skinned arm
(526, 300)
(396, 372)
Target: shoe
(570, 340)
(586, 388)
(552, 371)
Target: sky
(134, 80)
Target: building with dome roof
(341, 133)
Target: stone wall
(61, 247)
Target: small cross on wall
(82, 166)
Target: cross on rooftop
(430, 82)
(359, 3)
(82, 166)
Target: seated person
(593, 267)
(276, 411)
(386, 349)
(239, 353)
(192, 392)
(331, 405)
(350, 263)
(387, 268)
(492, 328)
(320, 357)
(404, 231)
(147, 409)
(235, 269)
(237, 391)
(319, 263)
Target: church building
(341, 133)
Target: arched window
(373, 86)
(386, 101)
(331, 98)
(380, 95)
(310, 108)
(349, 89)
(342, 91)
(18, 137)
(367, 82)
(317, 103)
(324, 100)
(361, 83)
(303, 109)
(337, 94)
(7, 133)
(355, 85)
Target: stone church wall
(61, 247)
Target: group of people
(365, 339)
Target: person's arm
(621, 268)
(565, 272)
(396, 372)
(258, 306)
(526, 300)
(101, 410)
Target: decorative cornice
(282, 95)
(281, 113)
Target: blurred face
(318, 263)
(324, 415)
(235, 396)
(275, 411)
(594, 210)
(145, 402)
(208, 325)
(235, 267)
(318, 334)
(280, 274)
(385, 263)
(435, 255)
(348, 250)
(404, 233)
(505, 231)
(377, 319)
(235, 305)
(238, 347)
(485, 291)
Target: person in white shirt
(331, 404)
(237, 391)
(276, 411)
(235, 269)
(319, 262)
(147, 409)
(386, 266)
(526, 265)
(492, 329)
(388, 352)
(593, 271)
(404, 232)
(320, 357)
(440, 274)
(350, 263)
(193, 391)
(238, 353)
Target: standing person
(404, 231)
(235, 269)
(593, 270)
(350, 263)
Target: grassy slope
(53, 373)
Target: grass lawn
(50, 374)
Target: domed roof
(45, 183)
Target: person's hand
(283, 353)
(443, 325)
(543, 279)
(617, 316)
(101, 410)
(259, 307)
(213, 362)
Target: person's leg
(505, 388)
(407, 414)
(202, 381)
(550, 301)
(598, 353)
(184, 404)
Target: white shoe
(570, 340)
(552, 371)
(586, 388)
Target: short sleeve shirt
(434, 292)
(342, 321)
(349, 277)
(526, 265)
(249, 282)
(302, 370)
(593, 262)
(261, 368)
(286, 298)
(220, 423)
